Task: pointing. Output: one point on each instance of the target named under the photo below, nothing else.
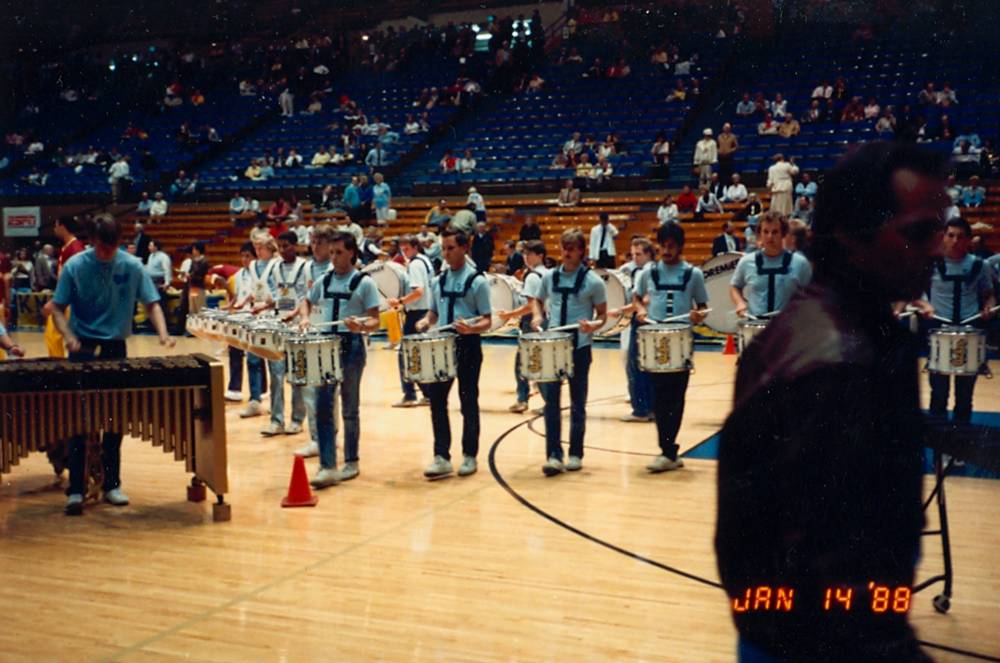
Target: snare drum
(390, 279)
(233, 327)
(505, 295)
(748, 330)
(266, 338)
(312, 360)
(429, 357)
(617, 285)
(546, 356)
(665, 348)
(210, 324)
(193, 324)
(957, 350)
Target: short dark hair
(289, 236)
(603, 217)
(200, 246)
(349, 240)
(107, 230)
(670, 230)
(460, 237)
(535, 246)
(246, 247)
(961, 224)
(643, 242)
(67, 222)
(153, 240)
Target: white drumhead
(390, 279)
(505, 295)
(616, 284)
(718, 273)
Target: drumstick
(675, 318)
(565, 327)
(978, 315)
(938, 317)
(337, 322)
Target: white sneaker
(631, 418)
(552, 467)
(423, 402)
(74, 505)
(116, 496)
(293, 428)
(349, 471)
(468, 466)
(406, 402)
(273, 429)
(574, 464)
(664, 464)
(438, 469)
(311, 450)
(234, 396)
(253, 409)
(325, 477)
(520, 406)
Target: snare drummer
(770, 276)
(640, 393)
(415, 303)
(673, 287)
(461, 296)
(242, 284)
(288, 289)
(575, 294)
(261, 273)
(535, 271)
(341, 293)
(961, 287)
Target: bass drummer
(535, 271)
(770, 276)
(961, 287)
(460, 300)
(673, 287)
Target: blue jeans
(523, 388)
(640, 389)
(236, 374)
(353, 362)
(277, 369)
(255, 375)
(552, 393)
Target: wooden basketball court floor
(393, 567)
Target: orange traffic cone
(299, 493)
(730, 348)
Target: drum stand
(942, 602)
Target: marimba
(175, 403)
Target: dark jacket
(820, 478)
(482, 251)
(719, 244)
(530, 232)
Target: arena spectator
(735, 192)
(854, 111)
(767, 127)
(687, 200)
(279, 210)
(806, 188)
(448, 163)
(953, 190)
(660, 151)
(779, 181)
(973, 195)
(43, 275)
(321, 157)
(482, 248)
(560, 162)
(411, 126)
(377, 157)
(467, 163)
(872, 109)
(679, 92)
(382, 199)
(584, 170)
(438, 215)
(602, 172)
(119, 176)
(946, 94)
(142, 209)
(573, 147)
(822, 91)
(478, 203)
(705, 155)
(181, 186)
(569, 195)
(529, 230)
(746, 106)
(293, 160)
(707, 204)
(728, 145)
(286, 102)
(814, 113)
(514, 258)
(716, 187)
(158, 265)
(966, 159)
(667, 211)
(728, 241)
(158, 208)
(803, 210)
(887, 123)
(253, 171)
(779, 107)
(327, 200)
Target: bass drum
(505, 295)
(718, 273)
(618, 285)
(390, 279)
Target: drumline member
(101, 285)
(535, 271)
(673, 287)
(640, 391)
(461, 295)
(415, 303)
(65, 230)
(341, 293)
(242, 281)
(770, 275)
(961, 287)
(575, 294)
(261, 273)
(316, 267)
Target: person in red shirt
(279, 211)
(65, 230)
(687, 200)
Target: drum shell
(313, 360)
(665, 348)
(747, 331)
(546, 356)
(265, 339)
(956, 350)
(429, 358)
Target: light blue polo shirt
(474, 303)
(973, 289)
(364, 297)
(756, 284)
(103, 294)
(579, 305)
(665, 300)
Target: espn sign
(22, 221)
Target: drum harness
(347, 337)
(957, 280)
(451, 296)
(772, 273)
(566, 291)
